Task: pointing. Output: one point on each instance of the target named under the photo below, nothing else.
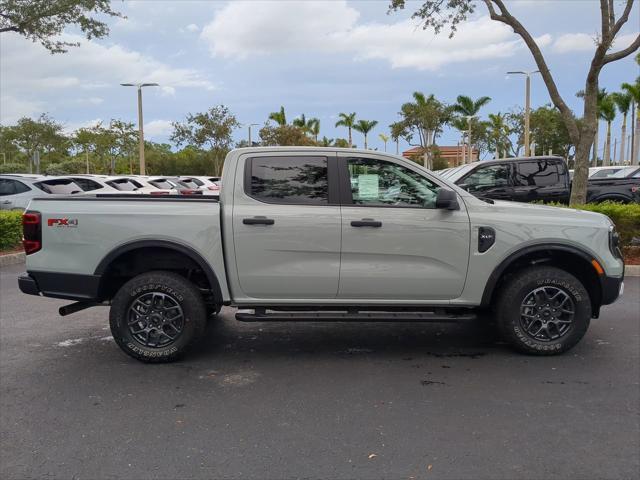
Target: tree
(364, 127)
(469, 109)
(311, 126)
(623, 103)
(326, 142)
(498, 134)
(602, 94)
(212, 128)
(424, 117)
(279, 117)
(385, 139)
(42, 21)
(284, 135)
(437, 14)
(608, 114)
(342, 143)
(633, 89)
(549, 131)
(41, 135)
(347, 120)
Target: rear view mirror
(447, 199)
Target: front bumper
(612, 288)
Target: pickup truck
(536, 179)
(322, 234)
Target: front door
(286, 226)
(395, 244)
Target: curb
(632, 271)
(12, 259)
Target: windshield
(624, 172)
(459, 172)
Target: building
(453, 155)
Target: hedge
(625, 216)
(10, 229)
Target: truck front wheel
(157, 316)
(543, 310)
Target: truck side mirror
(447, 199)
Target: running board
(364, 316)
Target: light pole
(527, 108)
(140, 122)
(251, 125)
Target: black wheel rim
(547, 313)
(155, 320)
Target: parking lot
(314, 400)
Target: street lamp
(251, 125)
(527, 108)
(140, 122)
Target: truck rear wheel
(157, 316)
(543, 311)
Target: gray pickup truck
(322, 234)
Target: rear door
(541, 180)
(396, 246)
(286, 226)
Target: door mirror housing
(447, 199)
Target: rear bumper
(70, 286)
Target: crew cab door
(541, 180)
(286, 226)
(395, 244)
(490, 181)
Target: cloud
(583, 42)
(30, 73)
(244, 29)
(156, 128)
(192, 27)
(13, 108)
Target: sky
(319, 58)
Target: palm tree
(300, 122)
(385, 139)
(607, 111)
(364, 127)
(633, 89)
(623, 102)
(313, 126)
(467, 107)
(279, 117)
(498, 132)
(326, 142)
(347, 120)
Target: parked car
(138, 184)
(91, 183)
(208, 185)
(604, 172)
(628, 172)
(322, 234)
(536, 179)
(16, 191)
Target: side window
(485, 178)
(86, 184)
(20, 187)
(290, 180)
(376, 182)
(541, 173)
(7, 187)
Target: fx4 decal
(63, 222)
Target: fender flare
(507, 262)
(170, 245)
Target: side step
(261, 315)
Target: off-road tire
(180, 291)
(515, 292)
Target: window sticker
(368, 186)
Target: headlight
(614, 242)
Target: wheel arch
(571, 259)
(138, 247)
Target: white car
(208, 185)
(16, 191)
(92, 184)
(138, 184)
(605, 172)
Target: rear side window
(7, 187)
(541, 173)
(189, 183)
(290, 180)
(123, 184)
(58, 187)
(161, 183)
(86, 184)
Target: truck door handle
(366, 222)
(258, 221)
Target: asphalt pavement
(310, 400)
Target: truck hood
(534, 213)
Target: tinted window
(20, 187)
(605, 173)
(537, 174)
(189, 183)
(58, 186)
(297, 180)
(161, 183)
(86, 184)
(123, 184)
(7, 187)
(376, 182)
(488, 177)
